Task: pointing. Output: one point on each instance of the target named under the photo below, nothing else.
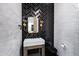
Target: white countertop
(33, 42)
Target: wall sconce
(41, 24)
(24, 25)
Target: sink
(33, 42)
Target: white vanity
(33, 43)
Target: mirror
(33, 25)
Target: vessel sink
(33, 42)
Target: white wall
(10, 34)
(66, 28)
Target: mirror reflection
(33, 25)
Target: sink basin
(33, 42)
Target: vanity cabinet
(41, 51)
(34, 43)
